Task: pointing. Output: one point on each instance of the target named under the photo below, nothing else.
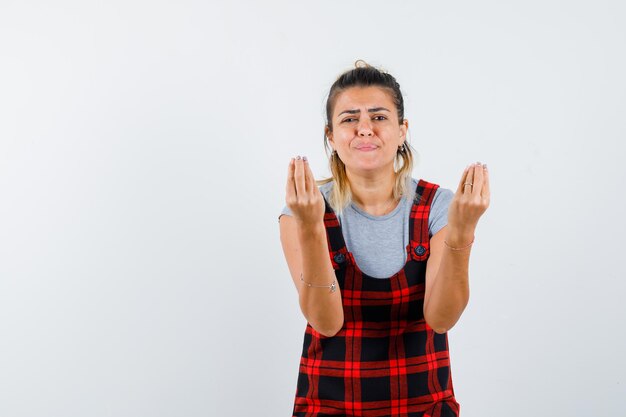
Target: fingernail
(485, 166)
(304, 158)
(298, 157)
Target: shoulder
(327, 187)
(442, 195)
(438, 214)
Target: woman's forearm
(321, 307)
(449, 294)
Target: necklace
(393, 200)
(386, 210)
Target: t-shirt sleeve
(438, 216)
(285, 211)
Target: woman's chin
(369, 167)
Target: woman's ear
(404, 128)
(329, 134)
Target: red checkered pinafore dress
(385, 361)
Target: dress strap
(419, 239)
(337, 246)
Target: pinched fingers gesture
(471, 199)
(303, 197)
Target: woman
(379, 259)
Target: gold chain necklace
(393, 199)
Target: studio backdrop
(143, 160)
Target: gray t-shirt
(375, 240)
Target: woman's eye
(349, 119)
(380, 117)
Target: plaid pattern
(385, 360)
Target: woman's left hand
(469, 201)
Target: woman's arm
(306, 252)
(447, 283)
(305, 246)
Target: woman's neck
(374, 194)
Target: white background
(143, 158)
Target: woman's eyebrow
(373, 110)
(376, 109)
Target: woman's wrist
(459, 239)
(311, 227)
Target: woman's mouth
(367, 148)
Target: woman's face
(366, 133)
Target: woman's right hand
(304, 198)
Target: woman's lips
(367, 148)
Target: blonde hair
(361, 76)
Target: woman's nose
(365, 128)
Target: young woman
(379, 259)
